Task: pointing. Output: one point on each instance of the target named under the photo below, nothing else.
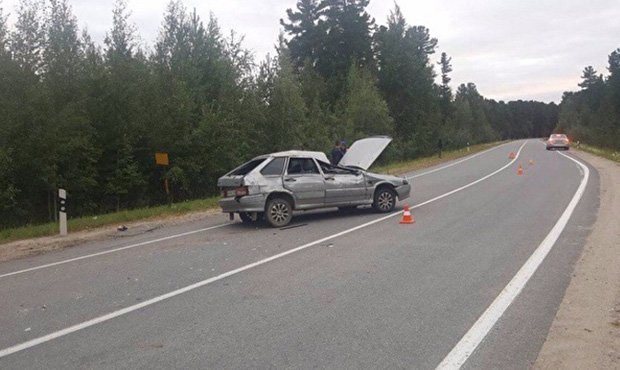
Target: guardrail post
(62, 211)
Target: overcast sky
(511, 49)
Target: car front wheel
(278, 212)
(385, 200)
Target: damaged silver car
(274, 185)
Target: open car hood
(363, 153)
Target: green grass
(91, 222)
(141, 214)
(610, 154)
(400, 168)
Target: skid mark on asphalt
(86, 324)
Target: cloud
(511, 49)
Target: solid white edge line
(126, 310)
(112, 250)
(201, 230)
(476, 334)
(457, 162)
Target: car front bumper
(403, 191)
(557, 146)
(248, 203)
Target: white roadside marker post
(62, 212)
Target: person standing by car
(343, 147)
(337, 153)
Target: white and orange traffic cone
(512, 155)
(520, 170)
(407, 217)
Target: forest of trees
(89, 118)
(592, 115)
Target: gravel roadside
(585, 333)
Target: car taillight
(242, 191)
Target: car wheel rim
(279, 212)
(385, 201)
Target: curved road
(355, 290)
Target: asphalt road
(356, 290)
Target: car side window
(274, 168)
(298, 166)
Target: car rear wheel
(385, 200)
(278, 212)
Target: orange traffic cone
(512, 155)
(407, 217)
(520, 170)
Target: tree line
(89, 118)
(592, 115)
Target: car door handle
(330, 178)
(290, 179)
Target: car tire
(278, 212)
(384, 200)
(246, 217)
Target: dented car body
(274, 185)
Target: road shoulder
(585, 333)
(31, 247)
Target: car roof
(298, 153)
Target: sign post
(161, 159)
(62, 212)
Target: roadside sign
(161, 159)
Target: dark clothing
(336, 156)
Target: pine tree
(286, 108)
(307, 32)
(73, 154)
(445, 92)
(590, 78)
(4, 33)
(28, 38)
(120, 41)
(406, 79)
(364, 112)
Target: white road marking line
(112, 250)
(476, 334)
(200, 230)
(457, 162)
(126, 310)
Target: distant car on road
(274, 185)
(558, 141)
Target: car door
(343, 185)
(305, 181)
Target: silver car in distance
(558, 141)
(274, 185)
